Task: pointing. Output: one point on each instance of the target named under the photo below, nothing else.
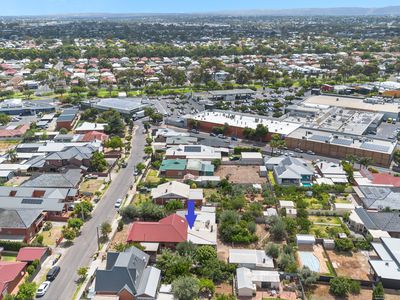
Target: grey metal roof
(18, 218)
(127, 105)
(128, 270)
(70, 179)
(378, 197)
(78, 152)
(387, 221)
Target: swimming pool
(309, 260)
(307, 184)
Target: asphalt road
(81, 252)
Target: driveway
(81, 252)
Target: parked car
(42, 289)
(124, 164)
(118, 203)
(92, 176)
(310, 152)
(212, 134)
(234, 158)
(52, 274)
(71, 207)
(233, 138)
(194, 131)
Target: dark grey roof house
(69, 179)
(128, 276)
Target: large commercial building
(237, 122)
(389, 110)
(337, 145)
(125, 106)
(19, 107)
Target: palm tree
(365, 161)
(12, 155)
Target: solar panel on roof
(192, 149)
(321, 138)
(32, 201)
(374, 147)
(343, 142)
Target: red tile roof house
(11, 273)
(29, 254)
(168, 232)
(92, 136)
(14, 133)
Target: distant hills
(334, 11)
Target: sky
(45, 7)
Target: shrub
(344, 245)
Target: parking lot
(387, 130)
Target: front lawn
(325, 219)
(7, 256)
(91, 185)
(152, 176)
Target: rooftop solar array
(374, 147)
(32, 201)
(320, 138)
(192, 149)
(343, 142)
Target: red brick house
(29, 254)
(20, 224)
(11, 273)
(167, 232)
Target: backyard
(8, 256)
(240, 174)
(354, 265)
(325, 226)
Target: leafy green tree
(83, 209)
(105, 229)
(307, 276)
(148, 150)
(344, 245)
(207, 287)
(63, 131)
(186, 288)
(276, 142)
(114, 143)
(4, 119)
(75, 223)
(186, 248)
(26, 291)
(82, 273)
(339, 286)
(69, 234)
(140, 167)
(272, 250)
(173, 265)
(278, 229)
(396, 157)
(205, 253)
(173, 206)
(97, 162)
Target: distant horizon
(20, 8)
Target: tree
(278, 229)
(140, 167)
(4, 119)
(207, 287)
(365, 162)
(173, 265)
(186, 288)
(173, 205)
(83, 209)
(148, 150)
(307, 276)
(27, 291)
(75, 224)
(97, 162)
(344, 245)
(378, 293)
(396, 157)
(105, 229)
(339, 286)
(115, 123)
(9, 297)
(63, 131)
(205, 253)
(12, 155)
(272, 250)
(114, 143)
(276, 143)
(82, 273)
(186, 248)
(69, 234)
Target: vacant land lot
(241, 174)
(16, 181)
(354, 265)
(7, 144)
(51, 236)
(321, 292)
(91, 185)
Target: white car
(42, 289)
(118, 203)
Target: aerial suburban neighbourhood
(217, 153)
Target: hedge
(15, 246)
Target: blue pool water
(308, 259)
(307, 184)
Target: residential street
(81, 252)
